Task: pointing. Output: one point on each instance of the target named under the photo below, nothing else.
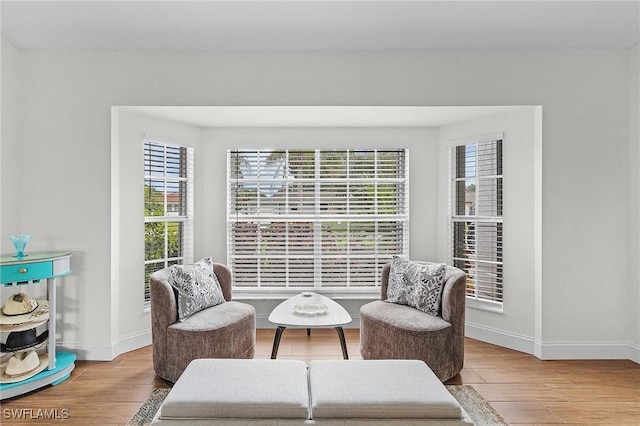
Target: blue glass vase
(20, 243)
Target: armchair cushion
(416, 284)
(197, 287)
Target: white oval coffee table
(309, 310)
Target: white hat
(19, 304)
(8, 328)
(21, 308)
(23, 365)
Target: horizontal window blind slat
(168, 186)
(476, 222)
(343, 213)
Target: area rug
(474, 404)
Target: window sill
(485, 306)
(239, 294)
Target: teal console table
(33, 269)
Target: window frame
(168, 216)
(317, 217)
(476, 301)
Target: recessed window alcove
(426, 131)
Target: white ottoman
(384, 391)
(329, 393)
(228, 390)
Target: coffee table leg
(276, 341)
(345, 355)
(308, 332)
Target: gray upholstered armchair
(392, 331)
(227, 330)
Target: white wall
(515, 326)
(66, 127)
(585, 205)
(10, 139)
(634, 200)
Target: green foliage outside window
(155, 232)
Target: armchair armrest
(453, 296)
(223, 273)
(384, 281)
(164, 312)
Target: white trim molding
(502, 338)
(555, 350)
(634, 353)
(108, 352)
(589, 350)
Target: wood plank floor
(522, 388)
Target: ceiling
(318, 25)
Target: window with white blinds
(476, 218)
(315, 219)
(168, 207)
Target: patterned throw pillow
(197, 286)
(416, 284)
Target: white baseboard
(634, 353)
(131, 342)
(613, 350)
(502, 338)
(552, 351)
(107, 352)
(87, 352)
